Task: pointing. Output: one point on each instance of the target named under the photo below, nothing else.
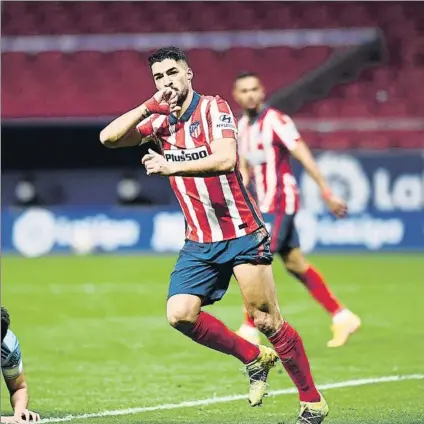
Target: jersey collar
(187, 114)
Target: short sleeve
(11, 363)
(221, 121)
(285, 129)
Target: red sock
(211, 332)
(288, 344)
(248, 320)
(318, 288)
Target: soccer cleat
(343, 329)
(249, 333)
(258, 374)
(312, 412)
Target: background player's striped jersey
(215, 208)
(266, 144)
(11, 358)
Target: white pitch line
(224, 399)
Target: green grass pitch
(94, 338)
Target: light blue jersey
(11, 358)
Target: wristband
(152, 105)
(326, 194)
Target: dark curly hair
(5, 322)
(171, 52)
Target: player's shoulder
(215, 100)
(272, 113)
(9, 347)
(10, 341)
(211, 97)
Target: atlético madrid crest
(195, 129)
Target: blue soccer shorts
(205, 269)
(284, 235)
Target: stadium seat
(94, 83)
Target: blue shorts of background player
(284, 235)
(205, 269)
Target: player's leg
(344, 321)
(254, 274)
(201, 276)
(296, 264)
(193, 284)
(185, 315)
(258, 290)
(248, 329)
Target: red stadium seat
(94, 83)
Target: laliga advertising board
(384, 191)
(385, 196)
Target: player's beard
(252, 112)
(182, 96)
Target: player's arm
(222, 160)
(18, 390)
(244, 170)
(302, 153)
(123, 132)
(16, 384)
(285, 128)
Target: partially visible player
(267, 139)
(197, 136)
(13, 373)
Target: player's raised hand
(163, 102)
(156, 164)
(336, 205)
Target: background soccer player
(12, 369)
(225, 232)
(267, 139)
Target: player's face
(176, 75)
(249, 93)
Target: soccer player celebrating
(12, 369)
(197, 137)
(267, 139)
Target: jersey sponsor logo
(227, 122)
(195, 129)
(186, 155)
(225, 118)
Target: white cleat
(343, 328)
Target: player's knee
(296, 265)
(178, 317)
(267, 323)
(183, 310)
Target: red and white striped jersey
(215, 208)
(266, 143)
